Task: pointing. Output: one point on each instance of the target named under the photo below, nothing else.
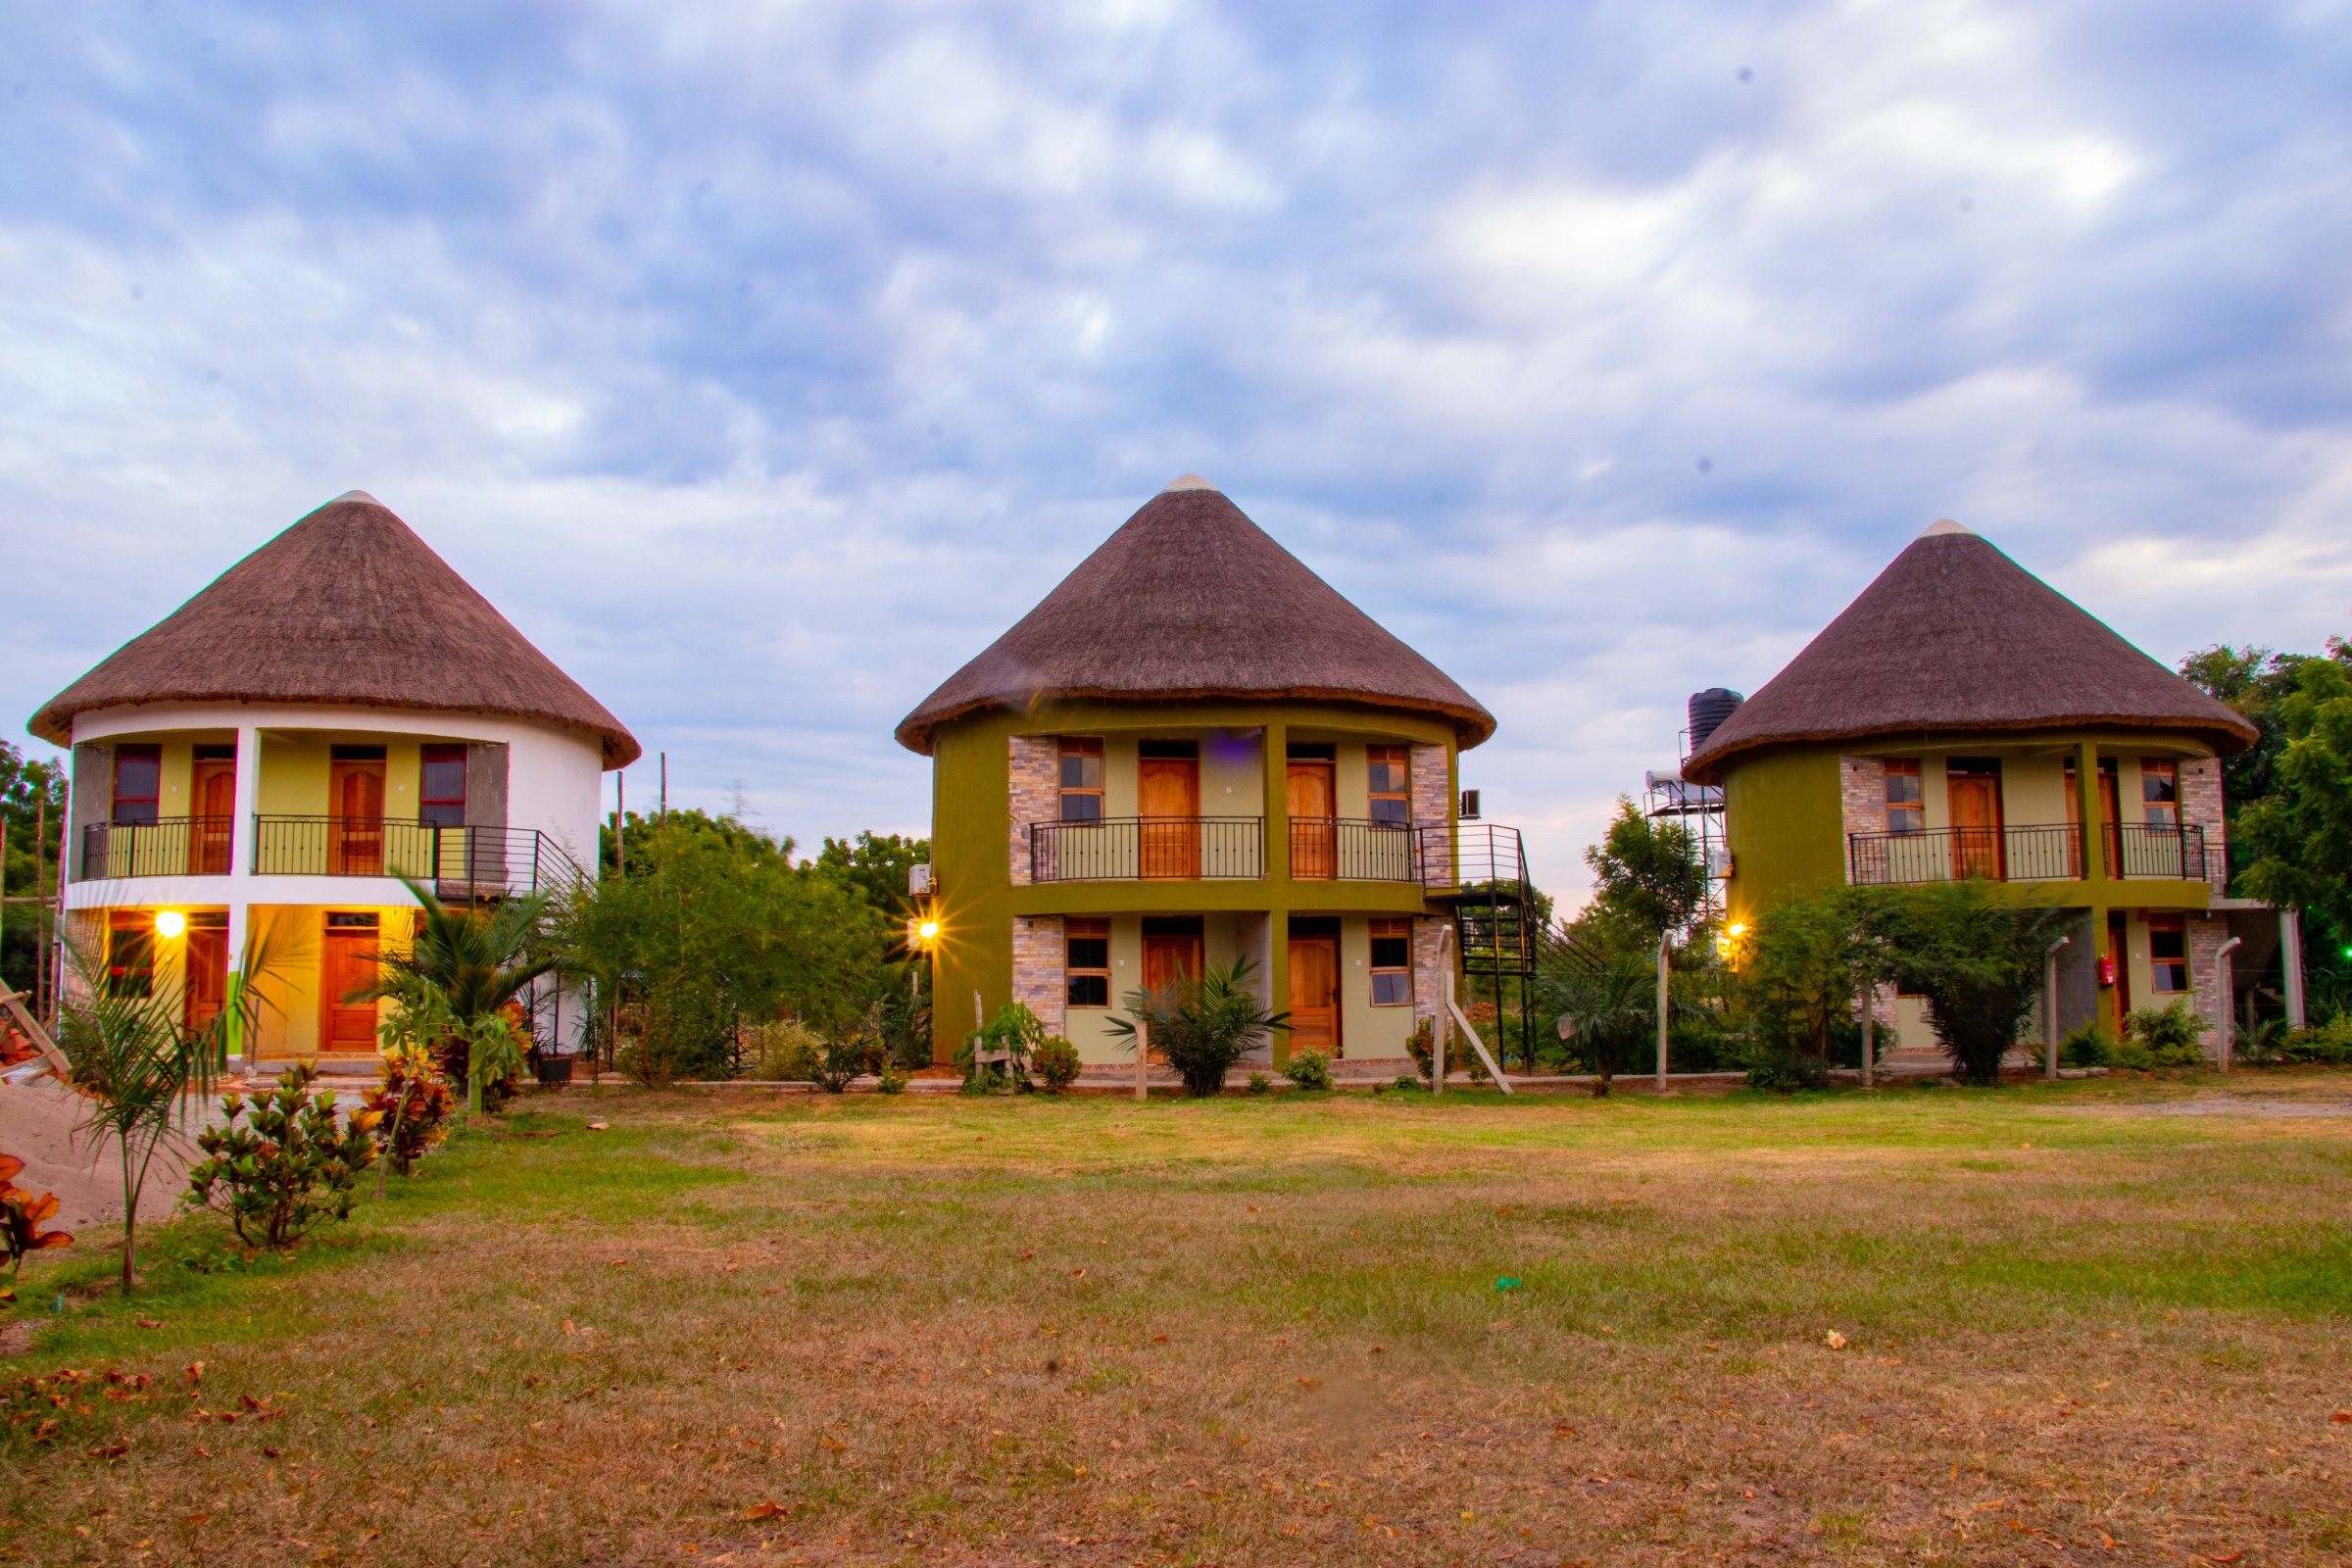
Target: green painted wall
(1786, 828)
(971, 834)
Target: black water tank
(1709, 710)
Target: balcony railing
(171, 846)
(1334, 849)
(2136, 850)
(458, 862)
(1122, 849)
(1471, 857)
(2037, 854)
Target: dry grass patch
(755, 1331)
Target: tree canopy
(32, 793)
(1648, 881)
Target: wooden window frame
(130, 933)
(2152, 770)
(1916, 807)
(427, 804)
(1076, 930)
(153, 756)
(1078, 748)
(1392, 931)
(1400, 797)
(2172, 925)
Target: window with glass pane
(2168, 953)
(1906, 806)
(2159, 793)
(441, 797)
(1392, 963)
(130, 956)
(1086, 965)
(1390, 785)
(1082, 781)
(138, 785)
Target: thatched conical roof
(347, 607)
(1954, 636)
(1192, 601)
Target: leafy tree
(1608, 1010)
(33, 802)
(456, 981)
(2300, 835)
(875, 864)
(1807, 963)
(1202, 1024)
(1975, 953)
(2254, 681)
(712, 925)
(1646, 881)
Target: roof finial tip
(1944, 525)
(354, 495)
(1189, 481)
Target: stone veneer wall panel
(1033, 769)
(2201, 807)
(1039, 956)
(1862, 798)
(1429, 970)
(2206, 934)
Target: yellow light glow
(1736, 930)
(928, 930)
(171, 924)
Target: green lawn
(740, 1329)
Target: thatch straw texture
(1954, 636)
(1192, 601)
(349, 607)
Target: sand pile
(41, 1122)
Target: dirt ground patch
(1940, 1326)
(41, 1124)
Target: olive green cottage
(1961, 718)
(1193, 751)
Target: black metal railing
(1338, 849)
(469, 860)
(170, 845)
(2136, 850)
(1122, 848)
(2052, 853)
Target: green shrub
(782, 1051)
(2089, 1046)
(1784, 1070)
(411, 1102)
(281, 1162)
(1056, 1062)
(1201, 1024)
(1015, 1029)
(1459, 1057)
(841, 1060)
(1308, 1069)
(1406, 1083)
(1260, 1084)
(892, 1080)
(2328, 1044)
(2163, 1037)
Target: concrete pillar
(242, 838)
(1277, 810)
(2290, 964)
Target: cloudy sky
(762, 363)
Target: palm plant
(1607, 1010)
(1201, 1023)
(454, 984)
(141, 1064)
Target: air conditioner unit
(1719, 864)
(919, 880)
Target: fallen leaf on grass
(194, 1373)
(762, 1511)
(598, 1126)
(114, 1451)
(148, 1323)
(1077, 1273)
(1834, 1339)
(2344, 1416)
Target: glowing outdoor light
(928, 931)
(170, 924)
(1736, 930)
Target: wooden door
(347, 963)
(356, 809)
(204, 982)
(1315, 995)
(213, 802)
(1975, 802)
(1168, 797)
(1314, 793)
(1169, 958)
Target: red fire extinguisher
(2107, 971)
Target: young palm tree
(1202, 1024)
(142, 1065)
(464, 966)
(1607, 1010)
